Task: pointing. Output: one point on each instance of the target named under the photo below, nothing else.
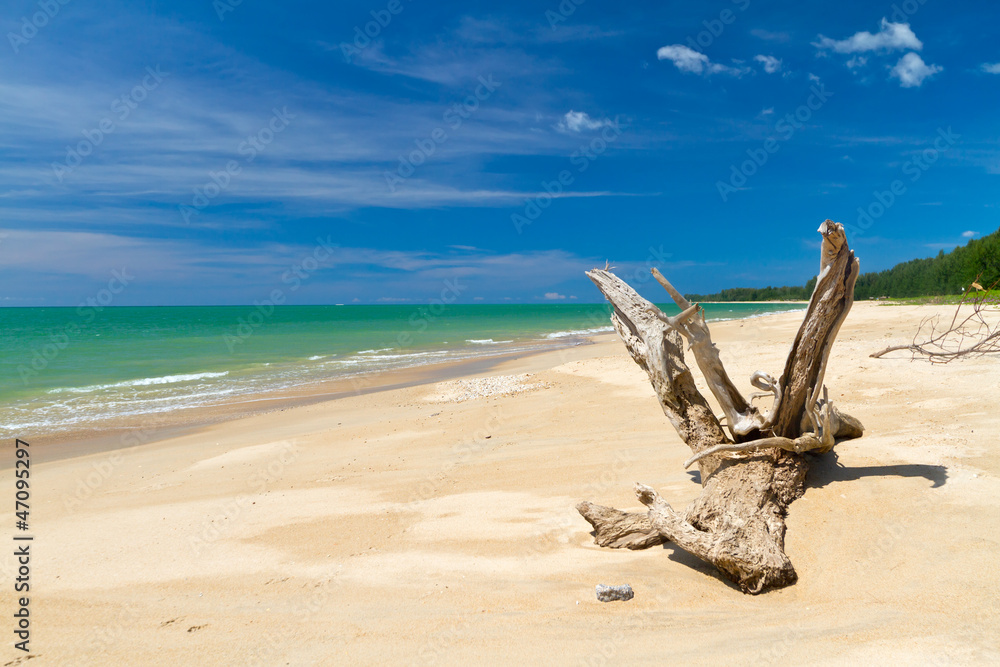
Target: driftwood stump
(752, 469)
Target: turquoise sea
(69, 368)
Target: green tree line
(947, 273)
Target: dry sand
(410, 526)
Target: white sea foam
(579, 332)
(756, 315)
(486, 341)
(142, 382)
(392, 357)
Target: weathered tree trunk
(737, 523)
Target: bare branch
(977, 333)
(741, 417)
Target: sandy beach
(435, 524)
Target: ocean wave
(384, 349)
(142, 382)
(406, 355)
(756, 315)
(486, 341)
(579, 332)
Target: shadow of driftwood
(678, 555)
(825, 469)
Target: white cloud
(911, 70)
(62, 268)
(769, 35)
(771, 64)
(577, 121)
(688, 60)
(857, 61)
(685, 59)
(813, 78)
(890, 37)
(990, 68)
(554, 296)
(969, 234)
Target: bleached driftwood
(737, 523)
(970, 334)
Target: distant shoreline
(791, 301)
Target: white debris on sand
(613, 593)
(456, 391)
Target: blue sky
(496, 150)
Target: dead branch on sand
(751, 473)
(974, 335)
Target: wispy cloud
(239, 272)
(578, 121)
(969, 234)
(688, 60)
(770, 63)
(857, 62)
(990, 68)
(890, 37)
(770, 35)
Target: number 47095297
(22, 472)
